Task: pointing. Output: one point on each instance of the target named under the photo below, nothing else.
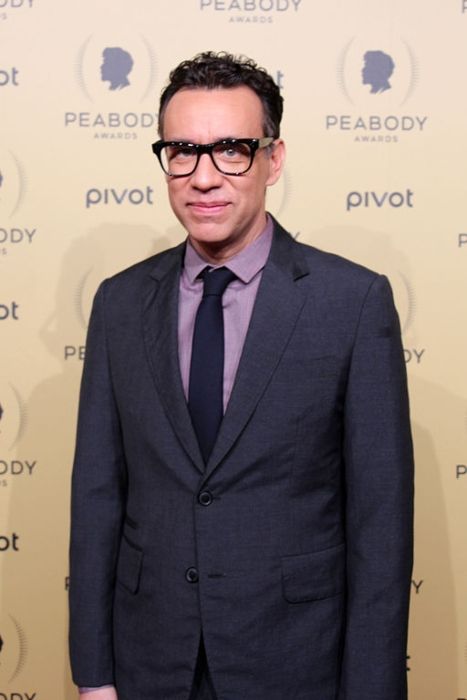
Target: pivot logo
(396, 200)
(461, 471)
(254, 11)
(462, 237)
(377, 77)
(9, 542)
(9, 311)
(9, 76)
(116, 77)
(106, 196)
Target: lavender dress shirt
(237, 302)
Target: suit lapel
(277, 307)
(160, 330)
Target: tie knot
(216, 281)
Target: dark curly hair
(224, 70)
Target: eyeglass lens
(230, 158)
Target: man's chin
(213, 236)
(208, 227)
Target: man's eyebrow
(221, 138)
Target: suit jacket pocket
(130, 560)
(314, 576)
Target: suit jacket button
(205, 498)
(191, 575)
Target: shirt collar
(245, 264)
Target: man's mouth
(208, 208)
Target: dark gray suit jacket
(291, 549)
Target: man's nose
(206, 174)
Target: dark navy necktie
(205, 393)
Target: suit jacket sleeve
(97, 502)
(379, 496)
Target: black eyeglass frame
(254, 144)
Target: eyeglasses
(229, 156)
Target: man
(264, 554)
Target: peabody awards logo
(12, 417)
(9, 7)
(278, 196)
(13, 658)
(250, 11)
(13, 420)
(377, 81)
(15, 233)
(13, 649)
(406, 300)
(82, 304)
(404, 294)
(12, 184)
(112, 78)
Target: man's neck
(218, 253)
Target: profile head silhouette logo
(377, 70)
(116, 66)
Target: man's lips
(208, 207)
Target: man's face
(221, 213)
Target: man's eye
(180, 153)
(232, 151)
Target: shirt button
(191, 575)
(205, 498)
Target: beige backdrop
(378, 176)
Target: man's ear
(276, 161)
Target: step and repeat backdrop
(375, 125)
